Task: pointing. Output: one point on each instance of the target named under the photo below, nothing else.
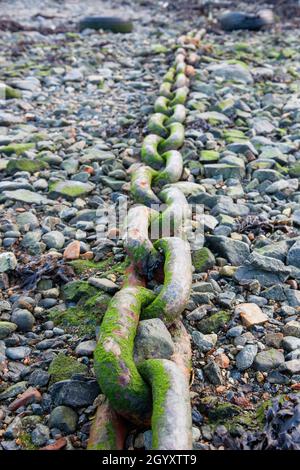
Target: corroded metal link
(165, 90)
(149, 151)
(108, 430)
(180, 96)
(171, 417)
(174, 295)
(156, 124)
(173, 169)
(175, 139)
(169, 76)
(114, 366)
(141, 185)
(180, 67)
(136, 240)
(157, 384)
(175, 216)
(181, 80)
(183, 351)
(179, 115)
(161, 105)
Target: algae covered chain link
(155, 391)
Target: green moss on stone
(76, 290)
(85, 317)
(222, 412)
(26, 442)
(209, 156)
(63, 367)
(107, 266)
(234, 135)
(214, 323)
(25, 164)
(294, 170)
(203, 259)
(11, 93)
(16, 149)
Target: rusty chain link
(155, 391)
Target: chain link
(156, 390)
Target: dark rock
(236, 20)
(237, 252)
(213, 373)
(74, 393)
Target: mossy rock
(16, 149)
(25, 164)
(107, 266)
(70, 189)
(263, 407)
(25, 441)
(294, 170)
(214, 323)
(203, 260)
(78, 290)
(209, 156)
(85, 317)
(234, 136)
(12, 93)
(223, 412)
(63, 367)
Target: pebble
(17, 353)
(23, 319)
(86, 348)
(63, 418)
(251, 314)
(8, 262)
(268, 360)
(244, 359)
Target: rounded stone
(244, 359)
(63, 418)
(40, 435)
(54, 239)
(23, 319)
(86, 348)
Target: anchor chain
(155, 391)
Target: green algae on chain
(180, 67)
(165, 90)
(149, 151)
(108, 430)
(171, 420)
(175, 139)
(114, 366)
(181, 80)
(180, 96)
(175, 218)
(172, 171)
(179, 115)
(156, 125)
(161, 105)
(136, 240)
(140, 186)
(175, 293)
(169, 76)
